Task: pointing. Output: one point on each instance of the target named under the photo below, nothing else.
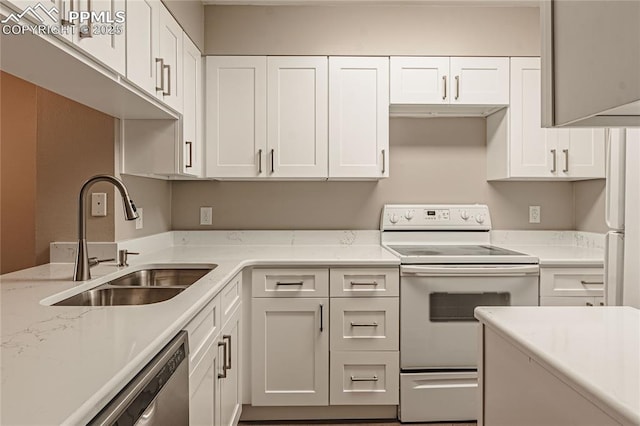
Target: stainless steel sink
(161, 277)
(116, 296)
(141, 287)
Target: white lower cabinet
(364, 378)
(290, 351)
(215, 357)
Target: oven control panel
(434, 217)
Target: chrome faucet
(82, 267)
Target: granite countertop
(596, 351)
(74, 360)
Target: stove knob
(393, 218)
(409, 214)
(480, 218)
(464, 215)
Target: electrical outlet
(534, 214)
(206, 215)
(98, 204)
(139, 222)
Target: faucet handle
(93, 261)
(122, 256)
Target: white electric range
(448, 267)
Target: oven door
(437, 326)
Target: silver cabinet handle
(384, 161)
(289, 282)
(457, 87)
(161, 62)
(321, 317)
(223, 375)
(364, 324)
(273, 154)
(259, 161)
(168, 68)
(228, 338)
(554, 167)
(374, 283)
(88, 33)
(583, 282)
(444, 82)
(566, 160)
(364, 379)
(190, 164)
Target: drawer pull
(374, 283)
(583, 282)
(290, 283)
(364, 379)
(364, 324)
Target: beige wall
(372, 30)
(75, 142)
(17, 173)
(190, 15)
(431, 161)
(589, 205)
(154, 197)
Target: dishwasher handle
(463, 271)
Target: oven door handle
(462, 271)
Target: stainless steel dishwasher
(158, 395)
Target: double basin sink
(141, 287)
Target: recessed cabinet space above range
(448, 86)
(299, 118)
(518, 148)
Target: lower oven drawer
(439, 397)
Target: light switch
(98, 204)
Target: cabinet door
(290, 352)
(229, 377)
(531, 148)
(419, 80)
(581, 153)
(479, 81)
(192, 108)
(170, 48)
(203, 390)
(142, 43)
(236, 116)
(358, 117)
(102, 40)
(297, 123)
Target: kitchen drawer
(367, 324)
(365, 282)
(290, 282)
(204, 326)
(571, 301)
(230, 297)
(571, 282)
(364, 378)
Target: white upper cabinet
(419, 80)
(192, 108)
(358, 117)
(143, 44)
(297, 123)
(479, 81)
(103, 41)
(236, 116)
(518, 148)
(448, 81)
(170, 60)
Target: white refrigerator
(622, 248)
